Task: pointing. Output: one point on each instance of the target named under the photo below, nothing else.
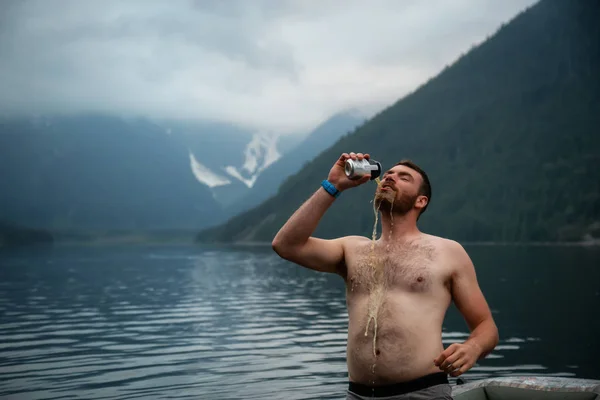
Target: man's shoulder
(443, 241)
(355, 239)
(447, 246)
(454, 253)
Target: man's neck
(395, 228)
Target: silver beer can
(356, 169)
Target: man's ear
(421, 202)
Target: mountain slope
(94, 172)
(14, 236)
(507, 134)
(318, 140)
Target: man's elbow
(493, 337)
(280, 248)
(276, 246)
(496, 335)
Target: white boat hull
(528, 388)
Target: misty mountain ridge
(95, 172)
(264, 163)
(98, 172)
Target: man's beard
(386, 201)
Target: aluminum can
(356, 169)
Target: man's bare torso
(401, 290)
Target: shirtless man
(397, 291)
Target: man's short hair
(425, 188)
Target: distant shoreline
(149, 240)
(540, 244)
(188, 238)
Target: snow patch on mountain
(205, 175)
(236, 174)
(259, 154)
(261, 148)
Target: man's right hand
(337, 175)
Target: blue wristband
(328, 186)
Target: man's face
(399, 189)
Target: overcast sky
(263, 64)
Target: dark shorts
(433, 386)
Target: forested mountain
(104, 174)
(97, 173)
(14, 236)
(508, 135)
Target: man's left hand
(458, 358)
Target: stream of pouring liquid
(375, 281)
(373, 269)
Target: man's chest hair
(413, 265)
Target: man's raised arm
(294, 242)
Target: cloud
(263, 64)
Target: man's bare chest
(412, 267)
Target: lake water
(228, 323)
